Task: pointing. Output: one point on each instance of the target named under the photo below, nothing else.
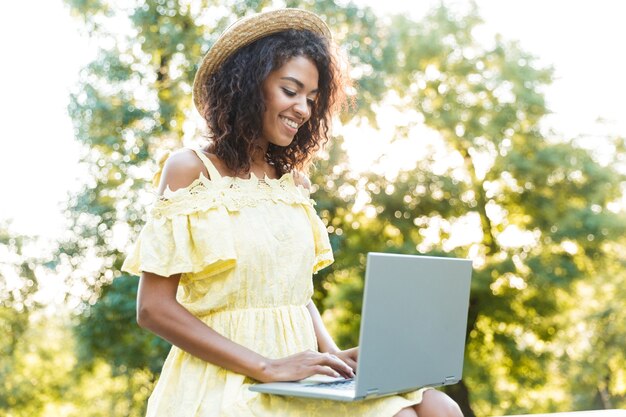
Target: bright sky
(43, 54)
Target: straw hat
(247, 30)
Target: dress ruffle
(189, 230)
(323, 250)
(199, 242)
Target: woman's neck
(259, 164)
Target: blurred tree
(531, 209)
(18, 286)
(36, 356)
(39, 375)
(533, 212)
(130, 102)
(107, 331)
(592, 340)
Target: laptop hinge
(371, 391)
(450, 380)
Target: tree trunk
(604, 395)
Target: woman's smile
(290, 123)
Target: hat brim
(247, 30)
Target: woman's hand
(303, 365)
(349, 356)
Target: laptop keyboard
(346, 384)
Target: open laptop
(412, 335)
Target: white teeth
(290, 123)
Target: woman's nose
(302, 108)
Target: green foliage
(35, 362)
(18, 286)
(108, 331)
(45, 378)
(591, 346)
(39, 371)
(486, 104)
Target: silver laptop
(412, 335)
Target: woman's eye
(289, 93)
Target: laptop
(412, 335)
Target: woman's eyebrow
(297, 82)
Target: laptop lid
(414, 323)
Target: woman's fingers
(308, 363)
(353, 353)
(351, 363)
(339, 365)
(349, 357)
(324, 370)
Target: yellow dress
(247, 249)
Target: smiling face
(289, 94)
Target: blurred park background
(453, 148)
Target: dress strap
(213, 172)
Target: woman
(227, 254)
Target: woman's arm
(326, 343)
(159, 312)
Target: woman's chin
(282, 142)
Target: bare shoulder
(181, 169)
(302, 180)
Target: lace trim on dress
(231, 193)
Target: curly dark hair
(235, 103)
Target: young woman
(227, 255)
